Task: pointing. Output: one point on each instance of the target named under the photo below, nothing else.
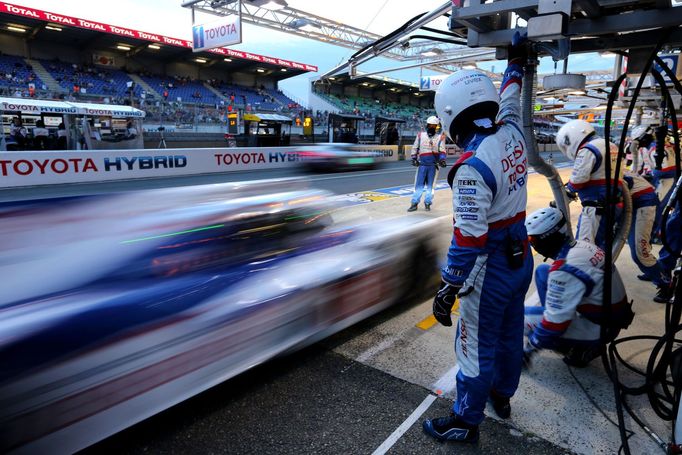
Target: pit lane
(352, 392)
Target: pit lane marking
(406, 425)
(430, 320)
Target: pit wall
(24, 169)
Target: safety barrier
(18, 169)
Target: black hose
(389, 36)
(436, 38)
(611, 195)
(442, 32)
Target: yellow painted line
(430, 321)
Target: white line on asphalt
(447, 382)
(374, 350)
(417, 413)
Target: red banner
(9, 8)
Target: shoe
(644, 277)
(500, 405)
(663, 295)
(580, 357)
(413, 208)
(428, 207)
(451, 428)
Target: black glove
(519, 48)
(443, 163)
(443, 303)
(415, 162)
(571, 195)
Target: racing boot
(500, 405)
(427, 206)
(451, 428)
(413, 208)
(580, 357)
(664, 294)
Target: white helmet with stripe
(571, 135)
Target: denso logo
(123, 163)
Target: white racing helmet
(571, 135)
(464, 97)
(547, 230)
(433, 120)
(640, 131)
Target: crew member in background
(644, 206)
(642, 138)
(570, 316)
(18, 132)
(671, 251)
(662, 162)
(61, 137)
(131, 131)
(428, 152)
(578, 141)
(489, 264)
(41, 136)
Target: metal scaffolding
(430, 49)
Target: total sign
(225, 31)
(432, 83)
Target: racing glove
(443, 303)
(415, 162)
(443, 163)
(571, 195)
(518, 51)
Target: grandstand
(372, 96)
(51, 56)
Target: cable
(591, 400)
(609, 360)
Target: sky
(169, 18)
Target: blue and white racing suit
(589, 181)
(429, 150)
(571, 293)
(663, 179)
(644, 206)
(668, 259)
(489, 201)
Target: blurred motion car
(336, 157)
(122, 305)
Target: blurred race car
(334, 157)
(123, 305)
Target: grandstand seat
(14, 72)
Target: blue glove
(519, 38)
(519, 48)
